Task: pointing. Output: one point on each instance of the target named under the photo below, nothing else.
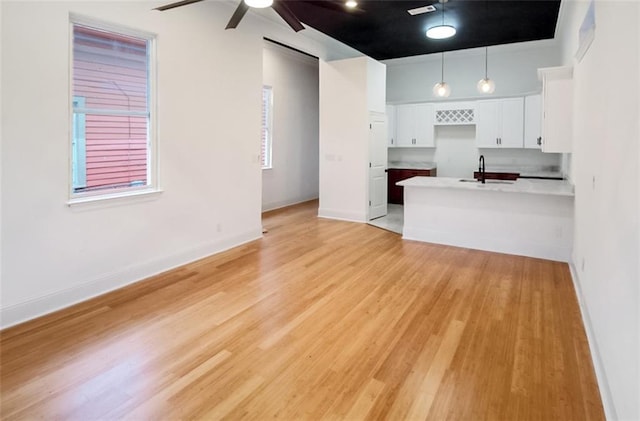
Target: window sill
(114, 198)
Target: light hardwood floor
(318, 320)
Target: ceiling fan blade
(237, 16)
(176, 4)
(286, 14)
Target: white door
(533, 121)
(377, 167)
(423, 123)
(487, 121)
(405, 125)
(512, 123)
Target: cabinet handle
(497, 140)
(540, 141)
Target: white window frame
(153, 185)
(269, 130)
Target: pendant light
(486, 85)
(441, 31)
(442, 88)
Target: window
(267, 126)
(112, 145)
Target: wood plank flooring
(319, 319)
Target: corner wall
(293, 177)
(605, 164)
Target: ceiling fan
(278, 5)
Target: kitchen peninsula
(523, 217)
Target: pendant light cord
(486, 61)
(442, 69)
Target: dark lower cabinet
(395, 193)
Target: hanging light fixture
(259, 4)
(442, 88)
(441, 31)
(486, 85)
(351, 4)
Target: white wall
(209, 96)
(605, 172)
(293, 177)
(513, 67)
(346, 98)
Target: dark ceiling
(382, 29)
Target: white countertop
(412, 165)
(531, 186)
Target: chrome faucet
(481, 168)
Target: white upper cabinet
(499, 123)
(391, 125)
(533, 121)
(557, 109)
(414, 125)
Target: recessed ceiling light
(421, 10)
(441, 32)
(351, 4)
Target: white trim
(342, 215)
(126, 193)
(601, 377)
(284, 203)
(18, 313)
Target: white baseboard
(601, 377)
(342, 215)
(22, 312)
(284, 203)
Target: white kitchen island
(524, 217)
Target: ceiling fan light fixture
(351, 4)
(259, 4)
(441, 32)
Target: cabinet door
(404, 125)
(487, 123)
(423, 119)
(512, 123)
(533, 122)
(391, 125)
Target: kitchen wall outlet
(582, 265)
(593, 182)
(219, 227)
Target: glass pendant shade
(259, 4)
(486, 86)
(351, 4)
(441, 32)
(441, 89)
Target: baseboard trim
(37, 307)
(342, 215)
(601, 377)
(283, 204)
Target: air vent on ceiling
(421, 10)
